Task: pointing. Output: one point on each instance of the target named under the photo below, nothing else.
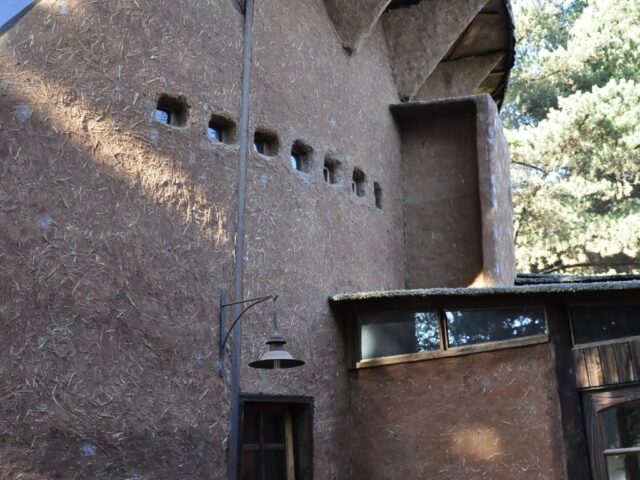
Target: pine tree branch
(529, 165)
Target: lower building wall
(487, 415)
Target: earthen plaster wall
(487, 415)
(458, 217)
(117, 233)
(494, 180)
(444, 227)
(308, 239)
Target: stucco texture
(117, 232)
(488, 415)
(458, 217)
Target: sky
(9, 8)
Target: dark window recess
(396, 4)
(221, 129)
(171, 110)
(265, 143)
(387, 334)
(276, 441)
(471, 327)
(597, 323)
(358, 183)
(332, 171)
(377, 193)
(301, 157)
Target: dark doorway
(276, 438)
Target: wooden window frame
(446, 351)
(593, 404)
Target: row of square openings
(266, 143)
(173, 110)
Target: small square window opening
(221, 129)
(301, 157)
(377, 193)
(358, 183)
(171, 110)
(266, 143)
(332, 171)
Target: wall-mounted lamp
(276, 356)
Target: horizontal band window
(432, 334)
(598, 323)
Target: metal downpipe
(238, 272)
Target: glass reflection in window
(621, 427)
(398, 333)
(470, 327)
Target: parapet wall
(458, 218)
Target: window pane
(267, 458)
(624, 467)
(398, 333)
(604, 322)
(273, 426)
(250, 465)
(622, 426)
(275, 465)
(251, 426)
(470, 327)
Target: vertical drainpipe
(238, 291)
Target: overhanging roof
(555, 288)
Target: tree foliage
(573, 126)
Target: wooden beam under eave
(459, 77)
(354, 19)
(420, 36)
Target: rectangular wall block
(458, 214)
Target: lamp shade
(276, 356)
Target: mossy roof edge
(512, 290)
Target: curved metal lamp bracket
(224, 335)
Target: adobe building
(163, 160)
